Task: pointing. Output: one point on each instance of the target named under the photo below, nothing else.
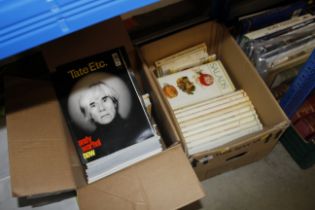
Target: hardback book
(184, 59)
(196, 84)
(306, 126)
(239, 118)
(217, 121)
(105, 113)
(308, 107)
(221, 130)
(232, 135)
(243, 106)
(271, 16)
(212, 103)
(257, 34)
(209, 108)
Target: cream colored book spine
(183, 63)
(215, 102)
(200, 111)
(242, 107)
(169, 59)
(197, 84)
(220, 123)
(214, 120)
(221, 131)
(224, 140)
(188, 58)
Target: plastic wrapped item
(267, 55)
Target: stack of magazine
(278, 51)
(105, 114)
(209, 110)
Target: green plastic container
(303, 153)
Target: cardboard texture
(38, 154)
(244, 76)
(49, 163)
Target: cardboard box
(43, 159)
(244, 76)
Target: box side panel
(39, 161)
(235, 155)
(246, 77)
(165, 181)
(179, 41)
(161, 110)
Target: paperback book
(105, 113)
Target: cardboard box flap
(42, 161)
(165, 181)
(92, 40)
(36, 139)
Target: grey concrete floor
(274, 183)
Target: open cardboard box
(43, 159)
(244, 76)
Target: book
(184, 59)
(238, 133)
(196, 84)
(101, 103)
(210, 103)
(209, 108)
(308, 107)
(270, 16)
(244, 106)
(300, 88)
(221, 130)
(278, 27)
(306, 126)
(220, 123)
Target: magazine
(105, 113)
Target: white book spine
(221, 131)
(214, 107)
(215, 101)
(245, 106)
(214, 120)
(192, 50)
(224, 140)
(207, 126)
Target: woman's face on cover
(101, 107)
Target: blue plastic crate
(29, 23)
(301, 87)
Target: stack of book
(209, 110)
(278, 51)
(105, 113)
(304, 119)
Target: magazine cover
(196, 84)
(101, 105)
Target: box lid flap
(36, 139)
(98, 38)
(165, 181)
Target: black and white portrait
(99, 99)
(101, 104)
